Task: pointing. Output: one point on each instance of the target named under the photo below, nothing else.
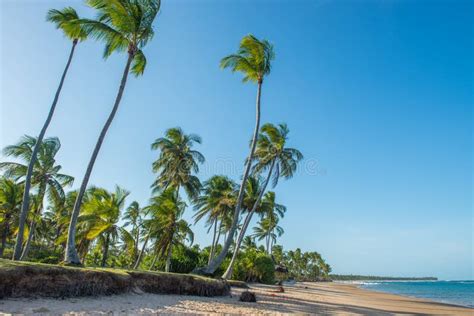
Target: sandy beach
(301, 298)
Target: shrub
(254, 266)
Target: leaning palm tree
(67, 21)
(280, 161)
(46, 177)
(217, 199)
(124, 25)
(253, 59)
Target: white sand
(302, 298)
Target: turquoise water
(453, 292)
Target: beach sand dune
(301, 298)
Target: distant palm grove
(43, 220)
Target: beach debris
(248, 296)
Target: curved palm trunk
(211, 267)
(25, 205)
(228, 273)
(211, 253)
(218, 235)
(140, 256)
(31, 233)
(70, 255)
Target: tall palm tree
(102, 212)
(269, 230)
(10, 204)
(177, 162)
(169, 209)
(253, 59)
(134, 216)
(67, 21)
(124, 25)
(280, 161)
(215, 202)
(270, 219)
(175, 165)
(46, 176)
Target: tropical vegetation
(43, 220)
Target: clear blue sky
(378, 94)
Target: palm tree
(253, 59)
(124, 25)
(46, 176)
(10, 204)
(177, 162)
(58, 214)
(270, 219)
(102, 212)
(134, 216)
(168, 209)
(272, 155)
(248, 243)
(215, 202)
(269, 230)
(175, 167)
(66, 21)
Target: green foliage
(124, 26)
(253, 59)
(177, 162)
(68, 21)
(302, 266)
(351, 277)
(254, 266)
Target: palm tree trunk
(218, 236)
(106, 251)
(26, 248)
(268, 243)
(70, 255)
(25, 205)
(211, 253)
(211, 267)
(135, 245)
(168, 258)
(228, 273)
(153, 262)
(31, 233)
(140, 256)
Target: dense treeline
(350, 277)
(42, 221)
(115, 232)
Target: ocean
(452, 292)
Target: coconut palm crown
(253, 59)
(67, 20)
(124, 26)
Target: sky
(378, 97)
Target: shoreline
(306, 297)
(359, 286)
